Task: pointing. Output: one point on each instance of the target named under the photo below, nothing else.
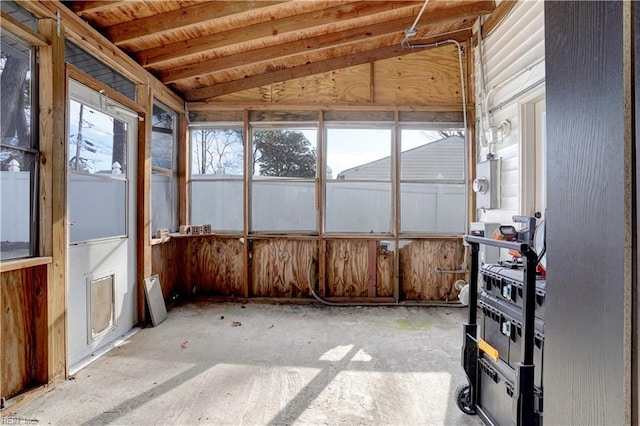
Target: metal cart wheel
(463, 399)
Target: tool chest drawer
(501, 328)
(496, 396)
(507, 284)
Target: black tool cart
(503, 345)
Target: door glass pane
(97, 195)
(97, 141)
(97, 207)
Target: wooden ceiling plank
(349, 36)
(315, 68)
(82, 8)
(342, 12)
(180, 19)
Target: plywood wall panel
(23, 318)
(385, 269)
(347, 267)
(280, 268)
(164, 264)
(431, 77)
(420, 261)
(217, 266)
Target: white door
(101, 291)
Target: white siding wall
(508, 54)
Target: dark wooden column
(591, 215)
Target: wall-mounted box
(486, 185)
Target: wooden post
(248, 170)
(143, 195)
(397, 150)
(183, 169)
(53, 194)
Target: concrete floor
(225, 364)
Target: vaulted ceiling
(202, 49)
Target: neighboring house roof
(442, 159)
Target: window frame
(426, 126)
(33, 150)
(171, 173)
(214, 177)
(293, 126)
(363, 125)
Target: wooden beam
(13, 265)
(143, 196)
(97, 45)
(277, 27)
(163, 23)
(342, 38)
(304, 70)
(53, 193)
(81, 77)
(82, 8)
(195, 107)
(9, 23)
(497, 16)
(184, 155)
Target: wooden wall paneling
(40, 277)
(385, 267)
(372, 268)
(280, 267)
(584, 320)
(17, 328)
(421, 266)
(217, 266)
(53, 193)
(347, 267)
(23, 329)
(429, 77)
(165, 263)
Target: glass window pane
(97, 141)
(283, 206)
(163, 138)
(427, 207)
(217, 151)
(15, 82)
(16, 209)
(219, 203)
(164, 201)
(97, 207)
(285, 153)
(362, 154)
(358, 207)
(77, 57)
(430, 154)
